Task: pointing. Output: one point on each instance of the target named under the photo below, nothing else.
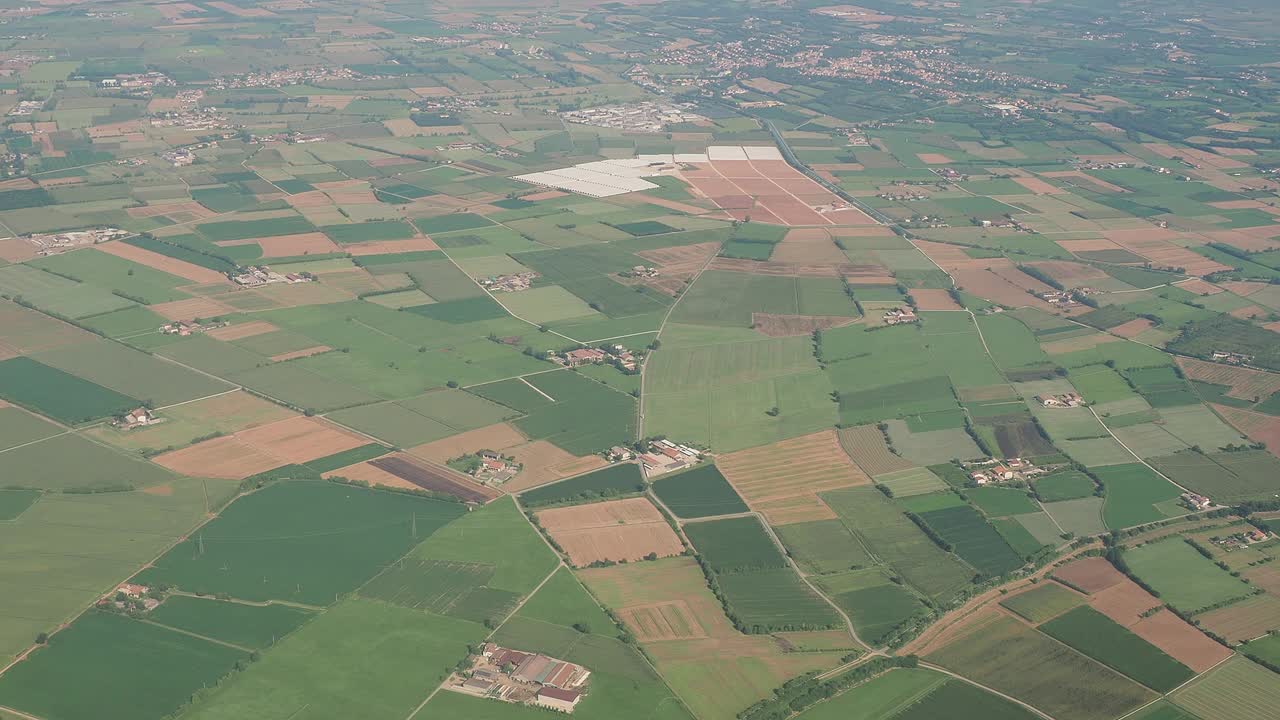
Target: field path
(206, 638)
(18, 713)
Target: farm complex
(639, 360)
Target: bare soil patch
(240, 331)
(224, 457)
(384, 247)
(305, 352)
(1124, 602)
(189, 309)
(544, 463)
(934, 158)
(1038, 186)
(1181, 641)
(300, 439)
(615, 530)
(934, 300)
(1256, 426)
(301, 244)
(499, 436)
(374, 476)
(1133, 328)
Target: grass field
(893, 538)
(1044, 602)
(956, 698)
(881, 697)
(250, 626)
(1236, 690)
(734, 545)
(586, 417)
(444, 587)
(133, 373)
(1226, 477)
(1001, 502)
(1066, 485)
(1082, 517)
(916, 481)
(124, 668)
(700, 492)
(875, 603)
(18, 427)
(73, 462)
(383, 680)
(424, 418)
(1012, 658)
(261, 548)
(619, 479)
(770, 600)
(1181, 576)
(564, 601)
(63, 397)
(1108, 642)
(1135, 495)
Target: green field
(881, 697)
(62, 396)
(444, 587)
(73, 462)
(113, 273)
(430, 416)
(893, 538)
(1108, 642)
(261, 548)
(1001, 502)
(18, 427)
(1181, 576)
(564, 601)
(956, 698)
(622, 479)
(700, 492)
(734, 545)
(586, 417)
(1066, 485)
(1008, 656)
(773, 600)
(824, 546)
(976, 542)
(1227, 477)
(876, 604)
(1236, 690)
(1135, 494)
(250, 626)
(382, 680)
(1043, 602)
(124, 669)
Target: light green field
(1082, 517)
(1236, 690)
(547, 304)
(932, 447)
(1182, 576)
(916, 481)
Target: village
(515, 676)
(635, 117)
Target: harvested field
(985, 283)
(777, 478)
(1180, 640)
(434, 478)
(224, 457)
(616, 530)
(1090, 574)
(671, 620)
(189, 309)
(386, 247)
(1156, 245)
(808, 246)
(934, 300)
(1265, 576)
(240, 331)
(865, 445)
(1256, 426)
(1124, 602)
(791, 325)
(1083, 342)
(1199, 287)
(299, 439)
(677, 264)
(767, 267)
(374, 476)
(1236, 690)
(155, 260)
(1245, 620)
(1038, 186)
(934, 158)
(1071, 274)
(499, 436)
(1245, 384)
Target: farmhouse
(1231, 358)
(185, 328)
(556, 699)
(509, 283)
(994, 471)
(665, 456)
(140, 417)
(1066, 400)
(582, 356)
(901, 315)
(1196, 502)
(260, 275)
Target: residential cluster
(492, 468)
(26, 107)
(664, 456)
(1195, 501)
(995, 471)
(520, 677)
(186, 328)
(901, 316)
(513, 282)
(259, 275)
(54, 243)
(140, 417)
(616, 355)
(1231, 358)
(1064, 298)
(635, 117)
(131, 598)
(1242, 539)
(298, 76)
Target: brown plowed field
(791, 325)
(1071, 274)
(1266, 577)
(1156, 244)
(17, 250)
(1181, 641)
(544, 463)
(934, 300)
(865, 445)
(947, 257)
(808, 246)
(385, 247)
(1124, 602)
(615, 530)
(1200, 287)
(167, 264)
(991, 286)
(372, 475)
(1091, 574)
(499, 436)
(933, 158)
(189, 309)
(1256, 426)
(300, 244)
(1038, 186)
(791, 472)
(1245, 384)
(1245, 620)
(435, 478)
(240, 331)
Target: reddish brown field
(615, 530)
(17, 250)
(372, 475)
(1090, 574)
(948, 257)
(384, 247)
(1245, 620)
(1256, 426)
(300, 244)
(1200, 287)
(934, 300)
(1133, 328)
(1038, 186)
(808, 246)
(991, 286)
(1156, 245)
(1249, 312)
(782, 480)
(1266, 577)
(182, 269)
(1124, 602)
(435, 478)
